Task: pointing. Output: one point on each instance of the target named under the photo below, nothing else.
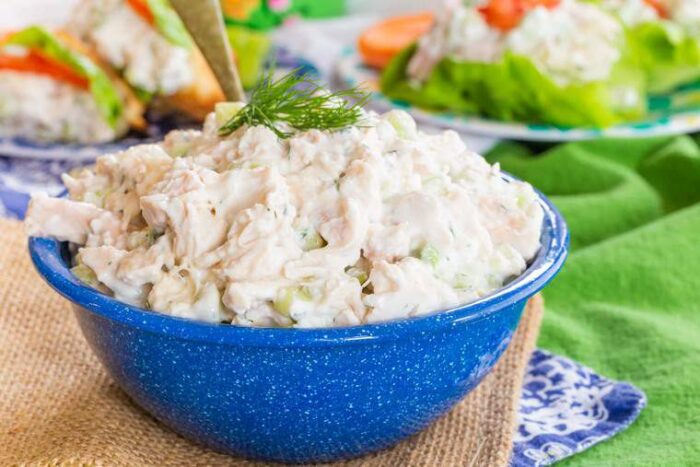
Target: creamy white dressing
(461, 33)
(684, 13)
(40, 108)
(572, 42)
(687, 14)
(371, 223)
(148, 61)
(631, 12)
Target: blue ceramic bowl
(295, 395)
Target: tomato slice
(503, 14)
(141, 8)
(380, 43)
(659, 6)
(35, 62)
(507, 14)
(530, 4)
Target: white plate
(25, 149)
(352, 72)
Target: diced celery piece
(430, 255)
(85, 274)
(286, 297)
(145, 237)
(521, 200)
(311, 239)
(225, 111)
(180, 150)
(462, 281)
(403, 123)
(358, 273)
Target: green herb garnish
(300, 102)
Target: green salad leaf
(513, 89)
(103, 90)
(168, 23)
(668, 54)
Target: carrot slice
(380, 43)
(34, 62)
(141, 8)
(530, 4)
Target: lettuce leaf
(515, 90)
(168, 23)
(107, 98)
(668, 54)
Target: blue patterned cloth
(566, 408)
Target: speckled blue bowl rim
(47, 258)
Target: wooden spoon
(205, 22)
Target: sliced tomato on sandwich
(507, 14)
(63, 58)
(160, 15)
(35, 62)
(140, 7)
(659, 6)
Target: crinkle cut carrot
(380, 43)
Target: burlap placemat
(58, 407)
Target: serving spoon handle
(205, 22)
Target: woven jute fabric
(59, 407)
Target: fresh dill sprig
(300, 102)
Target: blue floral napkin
(566, 408)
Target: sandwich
(558, 62)
(146, 41)
(53, 89)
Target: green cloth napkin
(627, 303)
